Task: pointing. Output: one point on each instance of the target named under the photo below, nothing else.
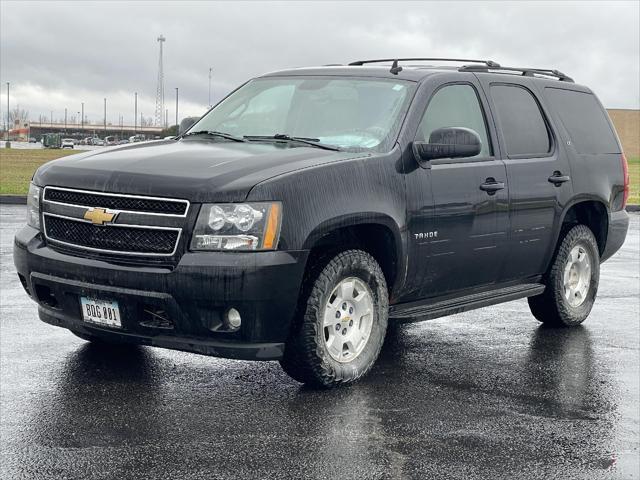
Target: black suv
(311, 207)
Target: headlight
(237, 226)
(33, 206)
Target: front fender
(346, 193)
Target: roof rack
(488, 63)
(526, 72)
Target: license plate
(103, 312)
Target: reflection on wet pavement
(485, 394)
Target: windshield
(349, 113)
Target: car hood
(196, 169)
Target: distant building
(19, 130)
(627, 123)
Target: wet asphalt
(488, 394)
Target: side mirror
(186, 124)
(448, 142)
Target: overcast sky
(58, 54)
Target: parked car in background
(32, 140)
(68, 143)
(110, 140)
(51, 140)
(137, 138)
(124, 141)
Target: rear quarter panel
(594, 176)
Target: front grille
(117, 239)
(116, 201)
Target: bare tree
(18, 115)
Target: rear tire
(572, 281)
(341, 322)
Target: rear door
(537, 170)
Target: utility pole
(160, 87)
(166, 118)
(177, 125)
(135, 113)
(65, 119)
(105, 117)
(82, 119)
(51, 117)
(210, 73)
(79, 119)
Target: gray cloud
(58, 54)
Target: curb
(22, 200)
(13, 199)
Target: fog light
(233, 318)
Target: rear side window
(523, 127)
(584, 120)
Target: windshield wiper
(314, 142)
(213, 133)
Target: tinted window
(523, 127)
(455, 106)
(585, 121)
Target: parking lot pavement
(484, 394)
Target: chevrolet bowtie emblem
(100, 216)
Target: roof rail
(488, 63)
(526, 72)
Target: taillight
(625, 174)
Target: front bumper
(193, 296)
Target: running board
(416, 311)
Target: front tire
(572, 281)
(342, 321)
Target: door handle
(558, 179)
(491, 186)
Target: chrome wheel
(348, 319)
(577, 276)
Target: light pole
(135, 113)
(210, 73)
(8, 118)
(105, 117)
(65, 120)
(79, 120)
(51, 118)
(177, 126)
(82, 119)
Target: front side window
(523, 127)
(455, 106)
(348, 113)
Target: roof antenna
(395, 68)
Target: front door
(461, 242)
